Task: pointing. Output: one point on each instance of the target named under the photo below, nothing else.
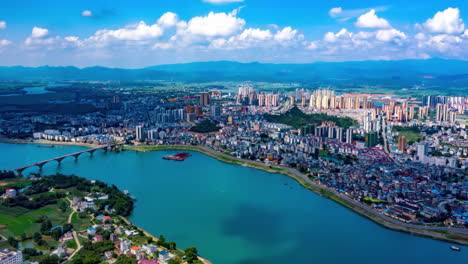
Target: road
(75, 235)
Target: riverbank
(452, 235)
(46, 142)
(205, 261)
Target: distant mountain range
(447, 70)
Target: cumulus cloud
(389, 35)
(38, 32)
(3, 25)
(335, 11)
(4, 42)
(137, 33)
(169, 19)
(87, 13)
(371, 20)
(465, 34)
(447, 21)
(222, 1)
(332, 37)
(215, 24)
(259, 38)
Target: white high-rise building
(139, 132)
(10, 257)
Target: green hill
(296, 118)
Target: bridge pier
(59, 161)
(40, 166)
(91, 152)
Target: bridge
(41, 164)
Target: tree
(91, 259)
(161, 241)
(174, 261)
(37, 237)
(191, 254)
(56, 234)
(13, 242)
(63, 206)
(171, 246)
(46, 226)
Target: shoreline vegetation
(387, 222)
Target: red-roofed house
(135, 250)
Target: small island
(60, 218)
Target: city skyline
(145, 33)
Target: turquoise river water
(235, 214)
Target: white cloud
(447, 21)
(38, 32)
(335, 11)
(389, 35)
(258, 38)
(222, 1)
(87, 13)
(255, 34)
(214, 24)
(169, 19)
(465, 34)
(3, 25)
(71, 38)
(371, 20)
(443, 42)
(312, 45)
(137, 33)
(287, 34)
(4, 42)
(332, 37)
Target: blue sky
(139, 33)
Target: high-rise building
(371, 139)
(139, 133)
(198, 111)
(442, 112)
(349, 135)
(452, 117)
(422, 151)
(215, 110)
(11, 257)
(401, 143)
(204, 98)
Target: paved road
(352, 201)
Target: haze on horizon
(140, 33)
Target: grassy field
(80, 224)
(412, 134)
(16, 221)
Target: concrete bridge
(41, 164)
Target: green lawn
(412, 134)
(16, 221)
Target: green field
(80, 224)
(16, 221)
(412, 134)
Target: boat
(454, 248)
(178, 157)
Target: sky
(141, 33)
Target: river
(238, 215)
